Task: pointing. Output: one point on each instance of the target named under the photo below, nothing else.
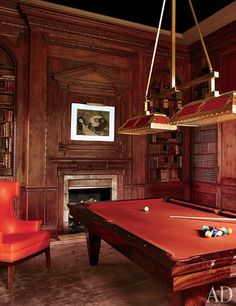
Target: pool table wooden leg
(190, 297)
(93, 245)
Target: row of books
(6, 129)
(167, 136)
(165, 175)
(164, 148)
(205, 148)
(6, 178)
(205, 175)
(205, 161)
(5, 160)
(205, 135)
(168, 161)
(173, 105)
(6, 115)
(7, 83)
(6, 144)
(161, 86)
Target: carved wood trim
(114, 146)
(76, 22)
(90, 79)
(79, 42)
(75, 164)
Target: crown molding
(58, 9)
(211, 24)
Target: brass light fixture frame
(213, 108)
(150, 123)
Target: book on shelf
(165, 103)
(6, 144)
(6, 178)
(6, 115)
(154, 162)
(174, 175)
(5, 160)
(7, 83)
(164, 175)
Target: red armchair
(19, 240)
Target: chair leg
(48, 259)
(10, 277)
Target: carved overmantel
(66, 164)
(91, 79)
(89, 83)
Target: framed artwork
(92, 122)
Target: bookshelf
(7, 112)
(204, 158)
(165, 157)
(165, 150)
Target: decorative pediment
(90, 78)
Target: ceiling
(148, 12)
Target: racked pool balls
(216, 231)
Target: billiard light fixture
(213, 108)
(151, 123)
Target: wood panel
(36, 204)
(173, 190)
(37, 113)
(203, 193)
(228, 80)
(228, 149)
(228, 197)
(222, 53)
(115, 60)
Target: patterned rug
(116, 281)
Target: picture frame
(91, 122)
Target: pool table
(173, 250)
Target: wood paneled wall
(221, 46)
(65, 57)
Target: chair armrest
(28, 226)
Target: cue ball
(146, 208)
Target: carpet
(116, 281)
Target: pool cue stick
(203, 218)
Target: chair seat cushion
(20, 245)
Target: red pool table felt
(181, 238)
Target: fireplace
(87, 187)
(85, 195)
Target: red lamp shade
(208, 111)
(147, 124)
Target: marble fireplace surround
(86, 181)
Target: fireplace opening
(85, 195)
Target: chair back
(8, 191)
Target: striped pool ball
(224, 231)
(214, 232)
(205, 228)
(208, 234)
(219, 233)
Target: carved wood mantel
(64, 164)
